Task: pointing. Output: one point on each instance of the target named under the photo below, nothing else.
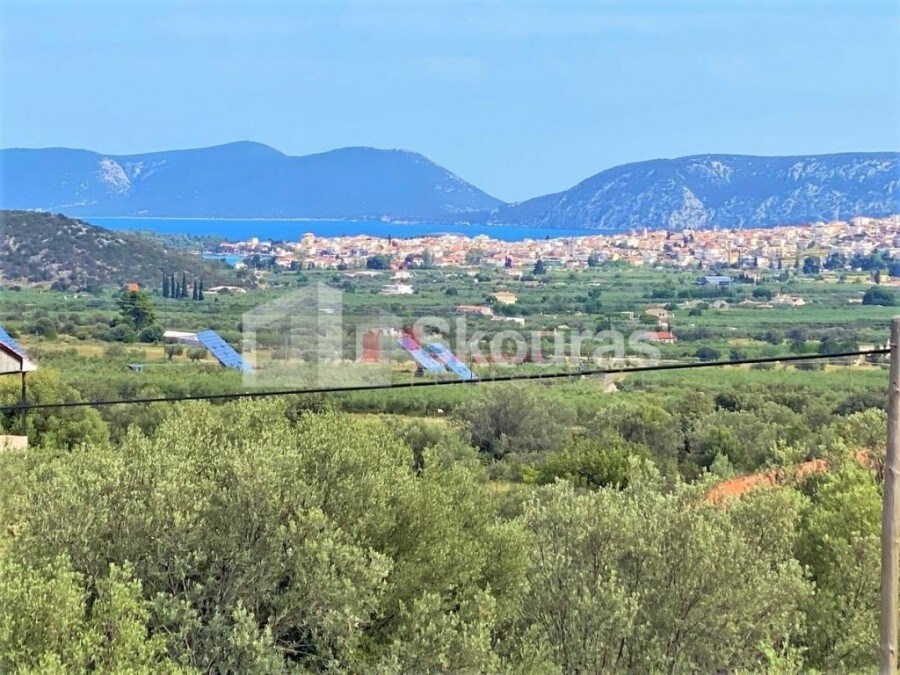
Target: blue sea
(292, 230)
(230, 260)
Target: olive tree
(513, 419)
(638, 580)
(261, 542)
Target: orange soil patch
(735, 487)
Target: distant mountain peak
(243, 146)
(720, 190)
(242, 179)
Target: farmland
(520, 476)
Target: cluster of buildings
(762, 248)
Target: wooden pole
(24, 402)
(890, 522)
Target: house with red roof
(664, 336)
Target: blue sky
(521, 98)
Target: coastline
(411, 223)
(290, 229)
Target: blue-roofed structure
(419, 355)
(222, 351)
(13, 358)
(9, 341)
(443, 354)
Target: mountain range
(237, 180)
(720, 190)
(251, 180)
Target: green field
(85, 339)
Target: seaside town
(764, 248)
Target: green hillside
(43, 248)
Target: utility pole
(890, 522)
(24, 399)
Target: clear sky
(521, 98)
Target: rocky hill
(237, 180)
(54, 249)
(720, 190)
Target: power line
(439, 383)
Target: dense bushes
(839, 544)
(590, 463)
(513, 420)
(642, 581)
(877, 295)
(254, 539)
(244, 537)
(64, 428)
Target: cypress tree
(195, 294)
(165, 286)
(173, 288)
(200, 291)
(184, 284)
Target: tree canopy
(137, 307)
(268, 537)
(877, 295)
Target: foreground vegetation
(270, 537)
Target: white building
(396, 289)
